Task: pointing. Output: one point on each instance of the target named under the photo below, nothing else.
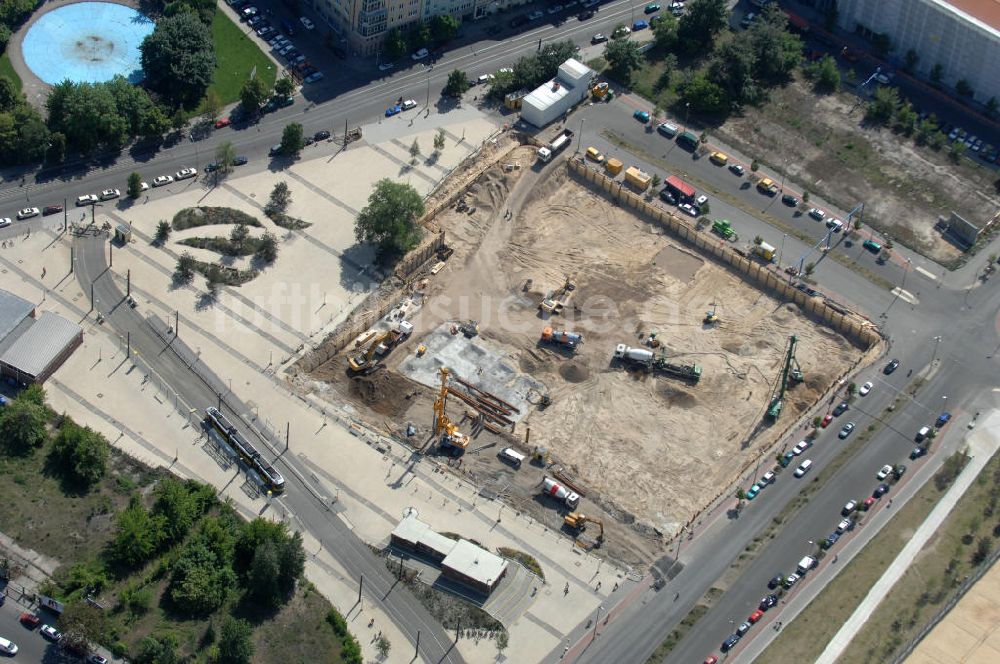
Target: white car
(421, 54)
(803, 468)
(108, 194)
(767, 478)
(845, 525)
(817, 214)
(866, 388)
(161, 180)
(687, 208)
(505, 70)
(408, 104)
(51, 633)
(8, 647)
(386, 66)
(143, 186)
(5, 222)
(701, 200)
(884, 472)
(313, 77)
(801, 447)
(835, 224)
(535, 15)
(27, 213)
(306, 23)
(186, 173)
(86, 199)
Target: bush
(81, 453)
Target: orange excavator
(452, 440)
(578, 522)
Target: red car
(711, 659)
(30, 620)
(869, 502)
(222, 122)
(826, 420)
(755, 616)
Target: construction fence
(852, 325)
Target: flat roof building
(40, 349)
(13, 311)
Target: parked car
(775, 581)
(536, 16)
(8, 647)
(240, 160)
(621, 31)
(768, 601)
(30, 620)
(942, 420)
(866, 388)
(86, 199)
(884, 472)
(826, 420)
(408, 104)
(816, 214)
(803, 468)
(868, 504)
(27, 213)
(836, 225)
(652, 8)
(640, 25)
(755, 616)
(5, 222)
(718, 158)
(689, 209)
(51, 209)
(730, 642)
(841, 407)
(641, 116)
(791, 580)
(585, 14)
(162, 180)
(898, 471)
(321, 135)
(599, 38)
(743, 628)
(846, 525)
(880, 490)
(306, 23)
(846, 431)
(917, 452)
(892, 366)
(801, 447)
(790, 200)
(849, 507)
(420, 54)
(313, 77)
(50, 633)
(872, 246)
(752, 492)
(222, 122)
(186, 173)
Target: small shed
(474, 566)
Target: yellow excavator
(578, 522)
(452, 439)
(366, 362)
(710, 316)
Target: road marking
(906, 296)
(929, 275)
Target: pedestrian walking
(43, 273)
(598, 585)
(677, 597)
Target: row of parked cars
(51, 634)
(280, 43)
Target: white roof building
(550, 101)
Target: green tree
(777, 52)
(253, 94)
(263, 577)
(180, 504)
(414, 151)
(155, 123)
(163, 231)
(732, 69)
(910, 60)
(810, 268)
(81, 453)
(56, 152)
(826, 74)
(239, 235)
(138, 534)
(443, 28)
(185, 268)
(883, 105)
(439, 141)
(937, 72)
(419, 36)
(22, 426)
(9, 96)
(905, 119)
(134, 185)
(280, 199)
(284, 86)
(267, 251)
(178, 58)
(925, 129)
(199, 580)
(225, 157)
(623, 58)
(665, 32)
(389, 221)
(991, 106)
(395, 44)
(383, 646)
(754, 166)
(956, 151)
(157, 650)
(235, 642)
(292, 139)
(963, 88)
(88, 115)
(81, 625)
(701, 22)
(212, 105)
(704, 96)
(457, 83)
(502, 641)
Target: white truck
(558, 143)
(552, 488)
(635, 355)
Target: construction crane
(451, 438)
(578, 522)
(365, 362)
(789, 372)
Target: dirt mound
(677, 398)
(573, 372)
(384, 391)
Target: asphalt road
(963, 319)
(201, 389)
(31, 647)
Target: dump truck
(767, 186)
(397, 335)
(599, 91)
(558, 143)
(554, 489)
(637, 178)
(649, 361)
(560, 338)
(723, 228)
(764, 251)
(613, 166)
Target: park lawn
(236, 55)
(6, 69)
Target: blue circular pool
(86, 42)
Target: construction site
(635, 378)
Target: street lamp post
(781, 249)
(937, 340)
(687, 114)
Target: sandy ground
(904, 187)
(969, 633)
(644, 447)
